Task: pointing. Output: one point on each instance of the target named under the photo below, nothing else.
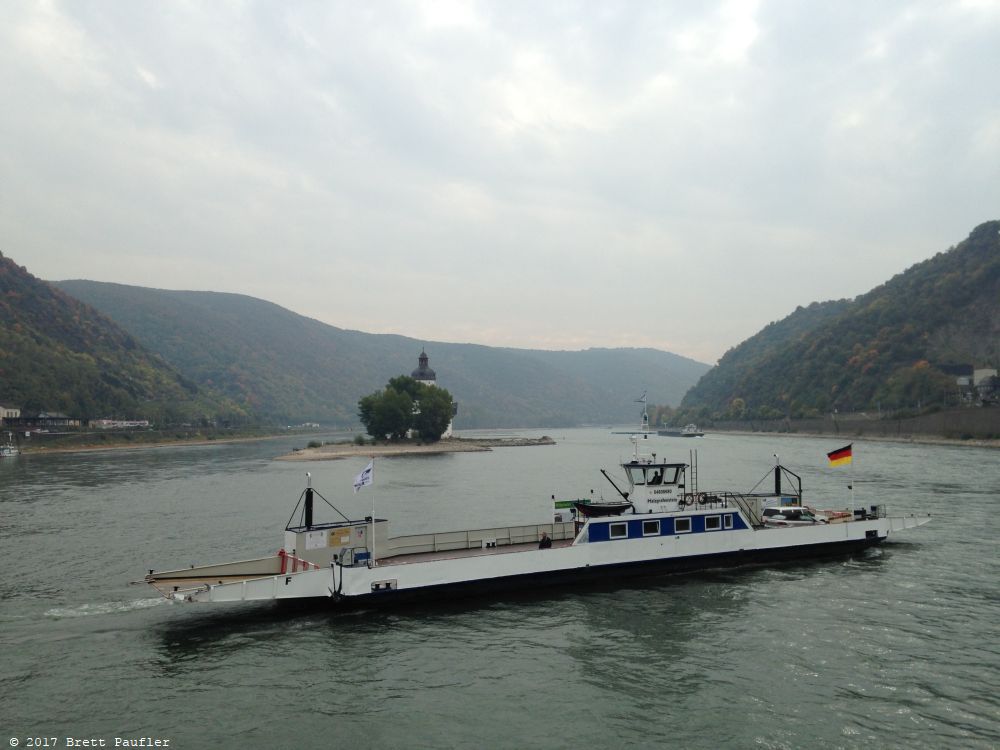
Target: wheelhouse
(655, 475)
(653, 485)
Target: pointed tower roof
(423, 371)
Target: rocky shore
(334, 451)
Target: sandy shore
(38, 451)
(450, 445)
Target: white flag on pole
(365, 477)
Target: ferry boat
(664, 523)
(688, 431)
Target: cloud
(555, 175)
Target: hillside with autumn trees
(889, 349)
(58, 354)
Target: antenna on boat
(635, 447)
(644, 423)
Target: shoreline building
(424, 374)
(9, 414)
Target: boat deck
(168, 586)
(454, 554)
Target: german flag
(840, 456)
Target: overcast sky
(551, 175)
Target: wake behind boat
(664, 523)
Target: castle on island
(424, 374)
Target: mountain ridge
(257, 353)
(883, 349)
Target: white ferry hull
(522, 567)
(660, 525)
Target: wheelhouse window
(713, 523)
(650, 528)
(728, 520)
(682, 525)
(619, 531)
(653, 475)
(636, 474)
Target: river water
(896, 647)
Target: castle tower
(424, 374)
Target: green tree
(387, 413)
(406, 404)
(397, 413)
(405, 384)
(366, 413)
(737, 409)
(434, 412)
(661, 415)
(915, 387)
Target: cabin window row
(681, 526)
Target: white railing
(476, 539)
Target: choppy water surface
(893, 648)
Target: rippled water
(893, 648)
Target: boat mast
(644, 422)
(308, 511)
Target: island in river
(333, 451)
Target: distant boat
(690, 430)
(8, 450)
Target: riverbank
(970, 426)
(911, 439)
(122, 445)
(335, 451)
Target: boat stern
(191, 584)
(901, 523)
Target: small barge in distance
(687, 431)
(661, 525)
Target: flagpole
(373, 512)
(840, 456)
(853, 506)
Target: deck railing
(750, 505)
(476, 539)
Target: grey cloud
(523, 165)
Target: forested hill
(283, 366)
(883, 349)
(60, 355)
